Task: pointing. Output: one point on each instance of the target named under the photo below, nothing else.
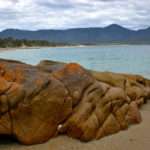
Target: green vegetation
(23, 43)
(10, 42)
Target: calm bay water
(117, 58)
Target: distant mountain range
(110, 34)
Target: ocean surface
(133, 59)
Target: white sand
(137, 137)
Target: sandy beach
(136, 137)
(17, 48)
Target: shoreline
(17, 48)
(65, 46)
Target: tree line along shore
(23, 43)
(13, 43)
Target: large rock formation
(40, 102)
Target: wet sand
(136, 137)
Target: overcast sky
(60, 14)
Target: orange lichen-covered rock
(40, 102)
(32, 103)
(108, 104)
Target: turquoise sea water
(117, 58)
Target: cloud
(46, 14)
